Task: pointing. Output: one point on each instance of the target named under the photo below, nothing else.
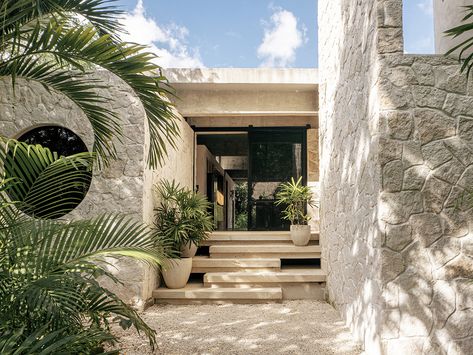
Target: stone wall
(350, 176)
(425, 214)
(396, 221)
(125, 186)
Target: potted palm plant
(296, 197)
(182, 222)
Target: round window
(69, 186)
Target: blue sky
(247, 33)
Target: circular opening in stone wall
(70, 184)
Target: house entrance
(241, 170)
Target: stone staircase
(251, 267)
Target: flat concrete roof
(235, 78)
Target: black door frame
(268, 130)
(249, 130)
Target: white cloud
(282, 37)
(427, 7)
(168, 42)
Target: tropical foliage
(295, 197)
(61, 43)
(182, 216)
(51, 300)
(465, 48)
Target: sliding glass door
(275, 155)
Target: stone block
(433, 125)
(398, 236)
(424, 73)
(462, 149)
(435, 194)
(393, 176)
(443, 302)
(427, 96)
(455, 221)
(426, 228)
(450, 171)
(397, 207)
(399, 124)
(465, 129)
(412, 154)
(458, 105)
(390, 40)
(444, 250)
(450, 78)
(392, 265)
(435, 154)
(414, 177)
(389, 150)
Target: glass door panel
(275, 155)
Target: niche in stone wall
(68, 181)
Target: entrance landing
(251, 267)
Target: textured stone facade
(350, 175)
(418, 149)
(125, 186)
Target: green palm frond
(77, 45)
(40, 182)
(101, 13)
(42, 341)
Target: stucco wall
(349, 171)
(448, 14)
(393, 203)
(125, 186)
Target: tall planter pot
(300, 234)
(177, 272)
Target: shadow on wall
(428, 248)
(396, 158)
(426, 156)
(350, 173)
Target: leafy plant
(51, 300)
(44, 41)
(182, 216)
(295, 197)
(465, 46)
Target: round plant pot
(176, 273)
(300, 234)
(188, 250)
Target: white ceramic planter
(300, 234)
(188, 250)
(177, 271)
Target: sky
(246, 33)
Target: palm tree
(60, 43)
(51, 300)
(50, 297)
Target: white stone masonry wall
(125, 186)
(425, 211)
(349, 172)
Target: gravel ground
(296, 327)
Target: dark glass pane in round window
(70, 185)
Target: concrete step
(203, 264)
(247, 279)
(248, 237)
(273, 250)
(197, 293)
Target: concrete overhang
(293, 79)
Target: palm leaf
(83, 44)
(41, 183)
